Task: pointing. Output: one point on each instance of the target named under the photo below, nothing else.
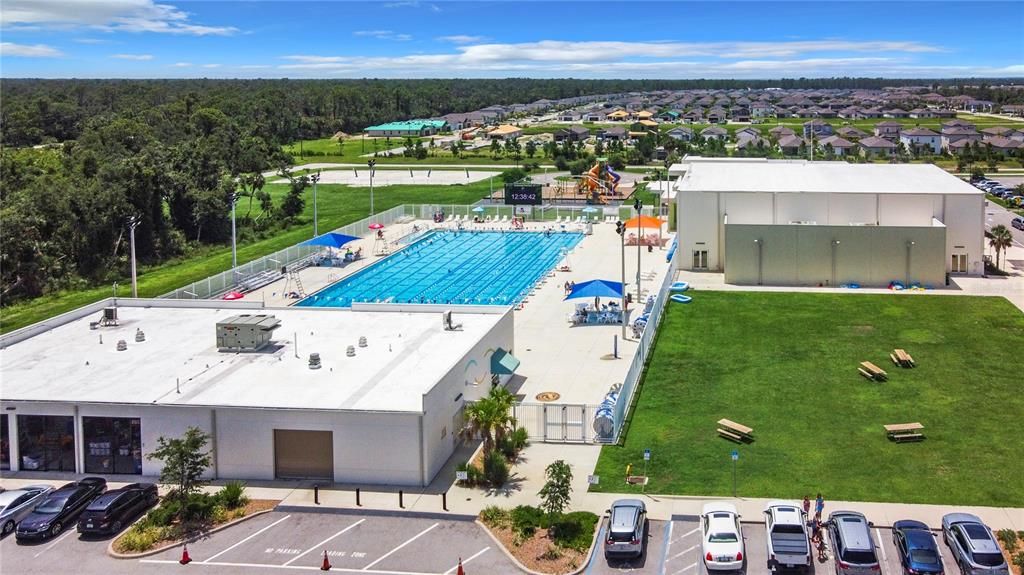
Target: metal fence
(556, 422)
(545, 212)
(215, 285)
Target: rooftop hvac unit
(245, 332)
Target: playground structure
(598, 182)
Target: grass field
(337, 205)
(786, 365)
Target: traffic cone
(326, 565)
(460, 571)
(185, 559)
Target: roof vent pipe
(362, 341)
(351, 351)
(140, 336)
(314, 361)
(122, 345)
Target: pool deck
(575, 362)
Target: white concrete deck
(575, 362)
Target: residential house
(953, 134)
(497, 112)
(595, 116)
(670, 116)
(694, 116)
(569, 116)
(715, 133)
(748, 142)
(748, 131)
(849, 113)
(923, 139)
(505, 132)
(644, 126)
(840, 146)
(716, 116)
(817, 129)
(613, 133)
(944, 113)
(997, 131)
(957, 123)
(1002, 145)
(790, 145)
(740, 114)
(762, 110)
(618, 116)
(779, 132)
(1012, 110)
(888, 130)
(644, 115)
(875, 146)
(572, 133)
(868, 113)
(896, 113)
(852, 133)
(979, 106)
(681, 133)
(958, 147)
(921, 113)
(456, 121)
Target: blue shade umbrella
(596, 288)
(478, 209)
(589, 210)
(330, 240)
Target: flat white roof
(828, 177)
(406, 355)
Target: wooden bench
(735, 431)
(902, 358)
(900, 432)
(872, 371)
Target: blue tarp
(331, 240)
(596, 288)
(503, 362)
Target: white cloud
(8, 49)
(255, 67)
(383, 35)
(211, 65)
(182, 64)
(139, 57)
(460, 39)
(90, 41)
(107, 15)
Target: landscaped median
(540, 541)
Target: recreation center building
(800, 223)
(368, 394)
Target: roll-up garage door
(302, 454)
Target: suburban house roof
(876, 142)
(409, 125)
(505, 130)
(836, 142)
(918, 131)
(790, 141)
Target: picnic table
(735, 431)
(902, 358)
(900, 432)
(872, 371)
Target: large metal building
(794, 222)
(381, 401)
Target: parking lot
(674, 548)
(284, 541)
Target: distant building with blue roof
(408, 128)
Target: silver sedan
(17, 503)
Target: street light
(371, 164)
(637, 205)
(668, 184)
(133, 222)
(316, 178)
(234, 243)
(620, 228)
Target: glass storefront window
(112, 445)
(46, 442)
(5, 443)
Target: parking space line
(475, 555)
(318, 545)
(209, 559)
(413, 538)
(51, 545)
(687, 534)
(687, 568)
(683, 552)
(293, 567)
(881, 544)
(666, 546)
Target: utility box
(246, 332)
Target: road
(998, 215)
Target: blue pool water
(480, 268)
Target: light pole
(910, 245)
(371, 164)
(835, 247)
(234, 242)
(760, 247)
(661, 244)
(316, 178)
(620, 228)
(637, 205)
(133, 222)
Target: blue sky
(415, 39)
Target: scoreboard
(523, 194)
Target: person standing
(807, 505)
(819, 506)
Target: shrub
(495, 516)
(141, 538)
(199, 507)
(1018, 560)
(163, 515)
(526, 519)
(552, 554)
(495, 469)
(474, 476)
(574, 530)
(232, 495)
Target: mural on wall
(475, 373)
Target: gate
(556, 422)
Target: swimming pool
(480, 268)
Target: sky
(483, 39)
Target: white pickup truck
(789, 545)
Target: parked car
(721, 537)
(852, 545)
(18, 503)
(109, 512)
(915, 544)
(789, 545)
(1018, 223)
(974, 547)
(627, 524)
(59, 509)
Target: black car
(109, 512)
(59, 509)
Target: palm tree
(1001, 239)
(490, 418)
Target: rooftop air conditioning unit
(245, 332)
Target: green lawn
(338, 205)
(785, 364)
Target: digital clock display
(523, 194)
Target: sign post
(735, 458)
(593, 479)
(647, 457)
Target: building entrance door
(300, 454)
(959, 264)
(700, 259)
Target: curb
(376, 512)
(589, 556)
(116, 555)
